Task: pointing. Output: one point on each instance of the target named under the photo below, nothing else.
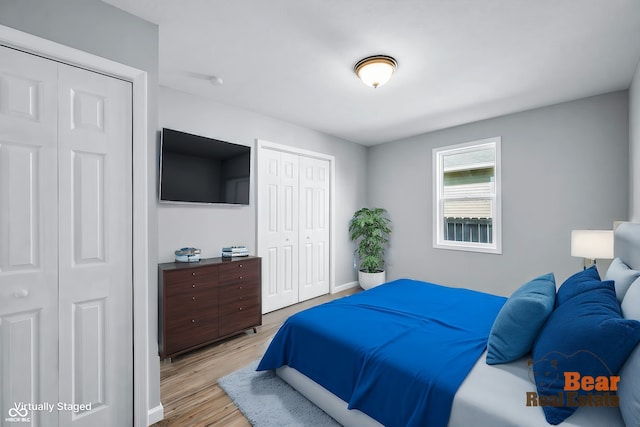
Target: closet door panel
(28, 234)
(289, 223)
(314, 227)
(95, 248)
(20, 198)
(278, 228)
(269, 228)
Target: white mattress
(496, 394)
(491, 395)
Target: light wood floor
(189, 388)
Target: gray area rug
(268, 401)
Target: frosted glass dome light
(376, 70)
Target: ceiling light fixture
(375, 70)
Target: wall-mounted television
(197, 169)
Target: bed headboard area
(627, 249)
(627, 244)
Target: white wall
(212, 227)
(634, 147)
(564, 167)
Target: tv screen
(196, 169)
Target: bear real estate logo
(579, 389)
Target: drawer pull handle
(240, 277)
(240, 287)
(193, 273)
(240, 309)
(240, 265)
(193, 320)
(193, 286)
(193, 298)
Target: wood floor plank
(189, 388)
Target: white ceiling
(458, 60)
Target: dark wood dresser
(203, 302)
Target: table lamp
(592, 245)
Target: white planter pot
(371, 280)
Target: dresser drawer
(240, 291)
(188, 331)
(238, 316)
(180, 281)
(190, 290)
(187, 274)
(239, 270)
(248, 308)
(183, 319)
(187, 303)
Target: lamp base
(588, 263)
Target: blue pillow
(622, 275)
(580, 282)
(520, 320)
(585, 334)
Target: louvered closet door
(65, 243)
(314, 227)
(28, 235)
(278, 228)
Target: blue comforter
(397, 352)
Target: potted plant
(370, 228)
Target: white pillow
(622, 275)
(629, 387)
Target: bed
(401, 355)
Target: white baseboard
(345, 286)
(155, 414)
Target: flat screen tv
(196, 169)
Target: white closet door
(65, 244)
(96, 351)
(28, 235)
(278, 228)
(314, 227)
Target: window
(467, 196)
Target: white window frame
(438, 198)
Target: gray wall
(212, 227)
(634, 147)
(564, 167)
(103, 30)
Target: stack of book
(235, 251)
(187, 255)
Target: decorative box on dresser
(206, 301)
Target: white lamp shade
(592, 244)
